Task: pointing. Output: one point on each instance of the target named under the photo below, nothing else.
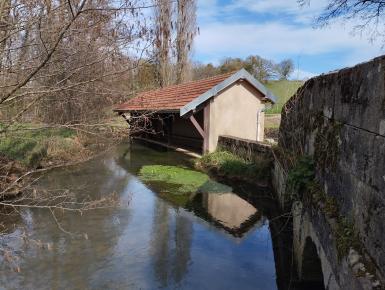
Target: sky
(276, 30)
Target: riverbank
(34, 147)
(225, 164)
(131, 245)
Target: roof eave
(147, 110)
(241, 74)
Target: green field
(283, 90)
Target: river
(218, 240)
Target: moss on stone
(327, 143)
(303, 186)
(346, 237)
(328, 204)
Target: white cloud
(265, 5)
(298, 13)
(279, 40)
(208, 9)
(280, 29)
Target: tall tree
(5, 9)
(163, 28)
(186, 29)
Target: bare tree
(5, 9)
(202, 71)
(367, 14)
(186, 30)
(261, 68)
(175, 30)
(61, 61)
(163, 22)
(285, 68)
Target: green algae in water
(180, 180)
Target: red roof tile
(172, 97)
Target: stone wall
(339, 119)
(247, 149)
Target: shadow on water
(235, 239)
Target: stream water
(227, 240)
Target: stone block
(361, 101)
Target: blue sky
(279, 29)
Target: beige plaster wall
(234, 113)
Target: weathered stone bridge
(337, 121)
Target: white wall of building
(237, 112)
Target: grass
(30, 145)
(181, 180)
(177, 184)
(283, 90)
(230, 165)
(34, 145)
(272, 121)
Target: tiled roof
(172, 97)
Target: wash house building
(193, 115)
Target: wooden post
(206, 121)
(197, 126)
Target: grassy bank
(35, 145)
(283, 90)
(231, 166)
(30, 146)
(24, 147)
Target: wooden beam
(206, 120)
(197, 126)
(127, 119)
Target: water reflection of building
(239, 213)
(280, 225)
(227, 211)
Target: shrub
(301, 175)
(231, 165)
(63, 149)
(35, 157)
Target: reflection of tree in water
(171, 244)
(183, 237)
(134, 156)
(160, 240)
(71, 256)
(171, 238)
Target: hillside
(283, 90)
